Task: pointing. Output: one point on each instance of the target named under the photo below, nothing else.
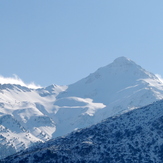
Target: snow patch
(16, 80)
(159, 77)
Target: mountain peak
(122, 66)
(126, 67)
(123, 61)
(40, 114)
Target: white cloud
(159, 77)
(16, 80)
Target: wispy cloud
(159, 77)
(16, 80)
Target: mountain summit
(125, 65)
(123, 75)
(28, 116)
(121, 61)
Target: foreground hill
(135, 136)
(29, 116)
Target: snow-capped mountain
(135, 136)
(29, 116)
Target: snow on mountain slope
(120, 86)
(28, 116)
(135, 136)
(108, 82)
(24, 116)
(45, 113)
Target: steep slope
(119, 78)
(135, 136)
(120, 86)
(29, 116)
(25, 116)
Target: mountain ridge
(135, 136)
(55, 110)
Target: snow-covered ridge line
(16, 80)
(41, 114)
(135, 136)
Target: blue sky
(60, 42)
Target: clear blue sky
(62, 41)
